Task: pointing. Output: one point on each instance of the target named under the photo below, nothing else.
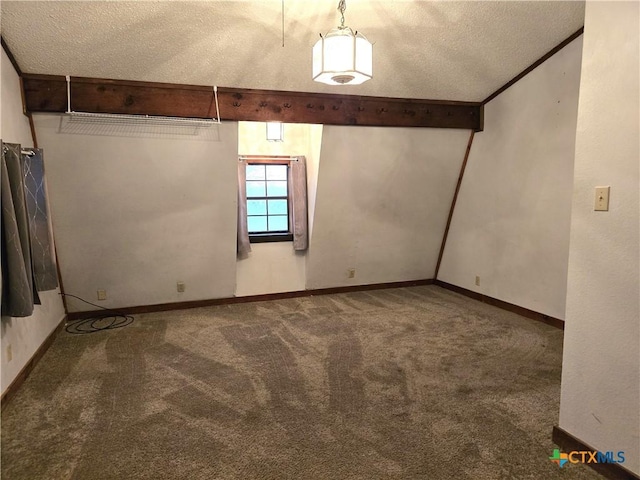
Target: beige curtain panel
(299, 198)
(244, 245)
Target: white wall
(22, 336)
(271, 268)
(313, 166)
(134, 215)
(276, 267)
(511, 222)
(600, 399)
(382, 201)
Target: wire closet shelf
(128, 119)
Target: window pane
(257, 207)
(278, 223)
(255, 172)
(278, 207)
(257, 224)
(255, 189)
(276, 188)
(276, 172)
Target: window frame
(268, 237)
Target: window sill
(277, 237)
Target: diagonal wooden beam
(46, 93)
(12, 59)
(535, 64)
(453, 204)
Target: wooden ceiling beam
(47, 93)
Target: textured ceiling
(422, 49)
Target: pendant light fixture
(342, 57)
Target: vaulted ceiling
(437, 50)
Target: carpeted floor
(410, 383)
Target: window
(268, 202)
(272, 202)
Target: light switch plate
(102, 294)
(602, 199)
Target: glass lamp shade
(275, 131)
(342, 57)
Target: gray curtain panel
(298, 173)
(17, 280)
(42, 255)
(244, 245)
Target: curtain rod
(23, 151)
(275, 159)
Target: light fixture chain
(342, 6)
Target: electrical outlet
(351, 273)
(102, 294)
(180, 287)
(9, 353)
(477, 280)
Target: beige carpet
(410, 383)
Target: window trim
(270, 237)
